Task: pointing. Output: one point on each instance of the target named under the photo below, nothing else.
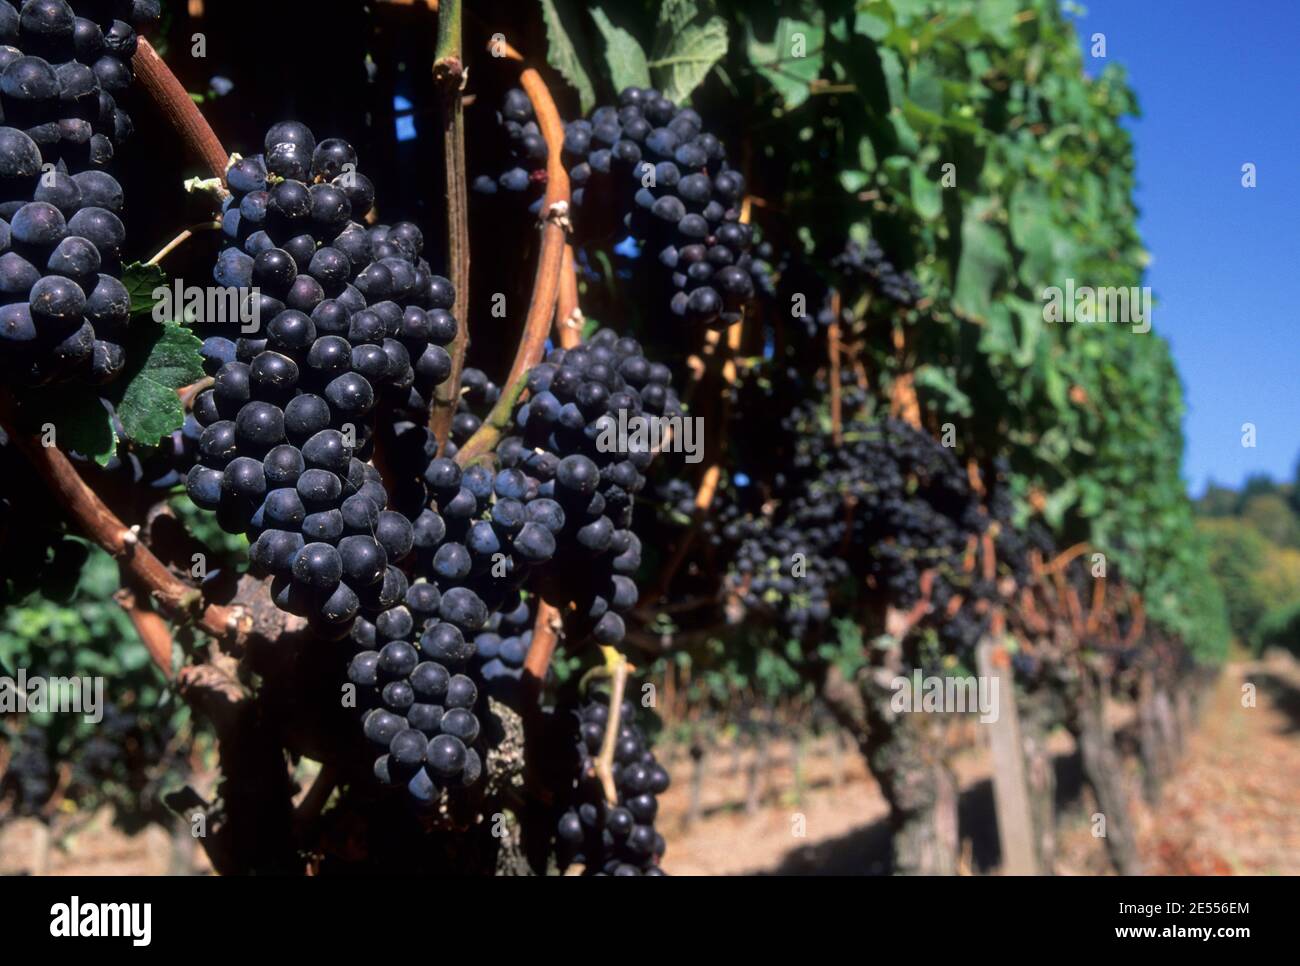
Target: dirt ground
(1232, 809)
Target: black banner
(939, 916)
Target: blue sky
(1217, 84)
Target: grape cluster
(62, 67)
(293, 229)
(735, 514)
(561, 497)
(676, 496)
(420, 707)
(781, 570)
(28, 779)
(477, 535)
(126, 747)
(865, 266)
(855, 272)
(646, 167)
(914, 508)
(286, 427)
(619, 839)
(887, 504)
(488, 531)
(121, 759)
(63, 310)
(477, 543)
(568, 445)
(479, 540)
(762, 270)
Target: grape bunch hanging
(63, 309)
(559, 499)
(341, 312)
(646, 168)
(612, 838)
(883, 506)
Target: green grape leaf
(792, 60)
(873, 26)
(997, 18)
(925, 89)
(624, 56)
(141, 281)
(1030, 328)
(566, 48)
(891, 66)
(926, 197)
(689, 40)
(984, 259)
(166, 358)
(1059, 501)
(1032, 233)
(936, 381)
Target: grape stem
(568, 315)
(1028, 612)
(555, 224)
(899, 623)
(988, 556)
(903, 403)
(546, 284)
(1097, 606)
(1075, 610)
(102, 526)
(546, 635)
(1065, 558)
(486, 437)
(61, 785)
(191, 392)
(616, 668)
(1139, 621)
(179, 108)
(181, 239)
(153, 630)
(976, 479)
(449, 77)
(431, 4)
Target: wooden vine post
(1010, 789)
(1011, 800)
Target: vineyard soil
(1234, 810)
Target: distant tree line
(1254, 538)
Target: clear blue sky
(1218, 83)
